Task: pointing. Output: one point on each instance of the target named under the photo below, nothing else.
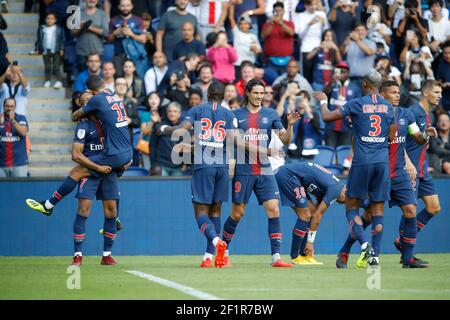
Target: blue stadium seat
(335, 169)
(341, 153)
(325, 156)
(135, 172)
(108, 53)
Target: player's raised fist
(319, 95)
(431, 131)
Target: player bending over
(402, 192)
(372, 119)
(296, 180)
(117, 153)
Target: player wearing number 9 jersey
(372, 118)
(210, 182)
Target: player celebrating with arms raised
(372, 119)
(255, 174)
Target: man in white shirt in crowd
(154, 75)
(13, 84)
(108, 73)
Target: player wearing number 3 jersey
(372, 118)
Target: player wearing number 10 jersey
(210, 183)
(372, 118)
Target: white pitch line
(179, 287)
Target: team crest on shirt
(81, 133)
(402, 122)
(265, 120)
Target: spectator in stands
(170, 28)
(161, 145)
(13, 84)
(195, 98)
(108, 73)
(179, 92)
(134, 83)
(379, 31)
(148, 120)
(412, 21)
(187, 66)
(230, 93)
(289, 8)
(324, 58)
(439, 26)
(268, 100)
(123, 26)
(443, 75)
(51, 48)
(360, 53)
(4, 63)
(235, 103)
(112, 7)
(93, 29)
(413, 49)
(205, 78)
(342, 19)
(247, 73)
(211, 15)
(154, 75)
(251, 8)
(416, 71)
(13, 149)
(246, 43)
(439, 150)
(310, 26)
(278, 36)
(93, 68)
(388, 71)
(292, 74)
(340, 90)
(150, 34)
(189, 44)
(222, 57)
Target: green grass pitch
(251, 277)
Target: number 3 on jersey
(218, 131)
(121, 113)
(375, 121)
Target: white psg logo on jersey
(81, 133)
(265, 120)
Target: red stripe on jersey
(326, 73)
(393, 149)
(78, 236)
(423, 153)
(9, 154)
(253, 122)
(339, 124)
(374, 98)
(214, 106)
(420, 225)
(276, 236)
(212, 13)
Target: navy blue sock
(347, 247)
(206, 227)
(64, 189)
(229, 228)
(298, 234)
(409, 238)
(275, 235)
(117, 206)
(79, 230)
(401, 229)
(109, 233)
(356, 230)
(209, 245)
(423, 218)
(377, 222)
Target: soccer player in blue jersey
(425, 187)
(372, 119)
(402, 191)
(296, 180)
(253, 172)
(212, 123)
(117, 153)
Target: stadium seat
(135, 172)
(108, 53)
(325, 156)
(341, 153)
(335, 169)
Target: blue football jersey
(256, 128)
(371, 117)
(211, 122)
(90, 133)
(110, 110)
(402, 119)
(416, 152)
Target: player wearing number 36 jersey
(372, 118)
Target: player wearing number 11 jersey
(372, 118)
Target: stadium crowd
(161, 56)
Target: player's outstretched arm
(327, 115)
(422, 137)
(168, 130)
(316, 217)
(81, 159)
(286, 135)
(78, 115)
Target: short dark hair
(411, 4)
(94, 82)
(195, 91)
(446, 44)
(7, 99)
(278, 4)
(216, 91)
(51, 13)
(428, 84)
(75, 96)
(246, 63)
(439, 2)
(235, 100)
(305, 94)
(93, 54)
(387, 84)
(253, 83)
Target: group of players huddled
(389, 164)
